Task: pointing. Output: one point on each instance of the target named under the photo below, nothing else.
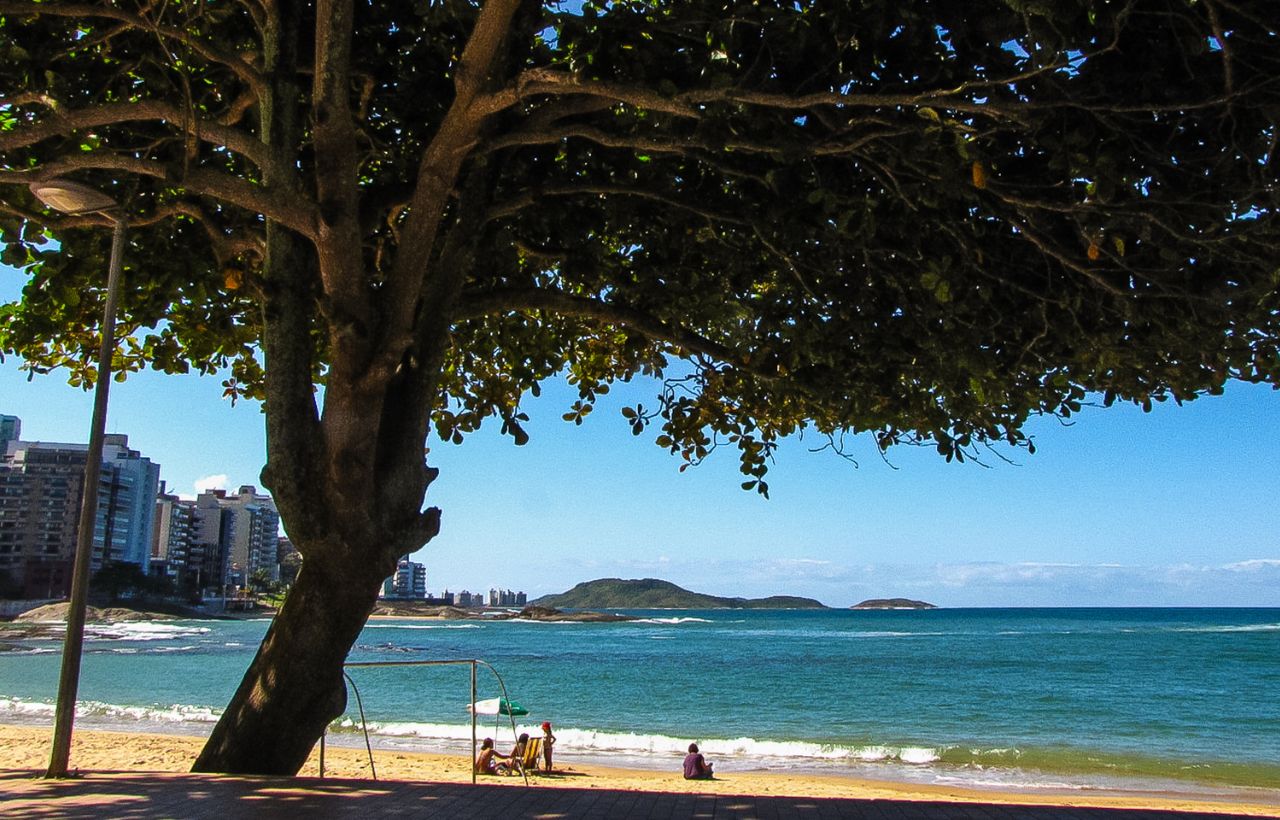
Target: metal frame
(472, 662)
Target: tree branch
(63, 123)
(542, 81)
(232, 60)
(438, 174)
(281, 205)
(529, 198)
(545, 81)
(682, 145)
(478, 305)
(1024, 229)
(338, 226)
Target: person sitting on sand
(548, 740)
(484, 761)
(517, 754)
(696, 766)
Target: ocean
(1181, 700)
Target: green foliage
(931, 221)
(121, 579)
(651, 593)
(260, 581)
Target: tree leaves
(795, 202)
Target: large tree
(927, 220)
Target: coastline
(26, 748)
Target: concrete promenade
(128, 795)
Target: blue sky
(1179, 507)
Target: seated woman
(696, 766)
(517, 753)
(485, 760)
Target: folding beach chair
(528, 762)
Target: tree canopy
(927, 220)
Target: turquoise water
(1029, 698)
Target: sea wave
(1229, 628)
(142, 631)
(831, 635)
(635, 744)
(174, 714)
(422, 626)
(673, 621)
(542, 622)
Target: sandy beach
(25, 748)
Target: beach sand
(24, 748)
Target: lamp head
(72, 197)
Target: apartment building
(239, 534)
(41, 486)
(175, 551)
(408, 581)
(505, 597)
(10, 430)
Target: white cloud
(219, 481)
(1254, 565)
(1253, 582)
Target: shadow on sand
(129, 795)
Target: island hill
(893, 603)
(652, 593)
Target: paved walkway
(127, 795)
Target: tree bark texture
(294, 687)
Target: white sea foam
(672, 621)
(541, 622)
(587, 741)
(142, 631)
(858, 634)
(1230, 628)
(25, 708)
(155, 713)
(1012, 782)
(422, 626)
(869, 634)
(918, 756)
(174, 714)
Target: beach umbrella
(497, 706)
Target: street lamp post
(73, 198)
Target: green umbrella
(498, 706)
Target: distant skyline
(1179, 507)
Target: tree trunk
(294, 687)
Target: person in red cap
(548, 740)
